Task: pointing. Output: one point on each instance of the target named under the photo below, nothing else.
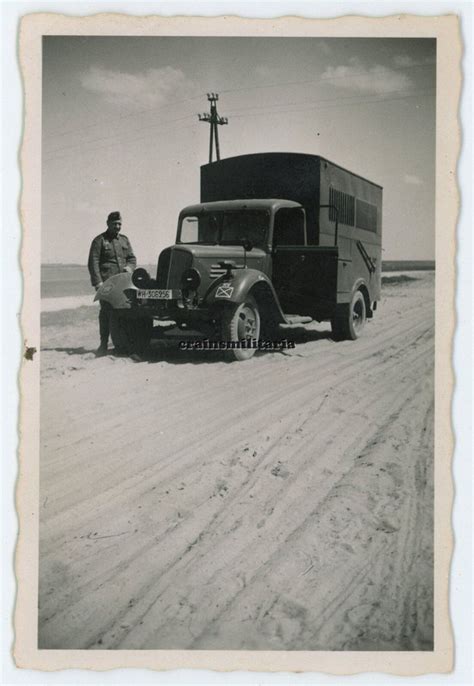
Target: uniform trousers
(104, 320)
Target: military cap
(114, 217)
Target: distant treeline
(387, 266)
(407, 265)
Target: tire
(242, 321)
(350, 320)
(130, 336)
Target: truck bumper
(177, 311)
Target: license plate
(154, 294)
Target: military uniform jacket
(109, 256)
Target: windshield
(226, 228)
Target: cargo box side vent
(345, 205)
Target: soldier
(110, 254)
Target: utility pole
(214, 119)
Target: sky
(121, 131)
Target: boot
(102, 349)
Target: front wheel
(130, 336)
(241, 323)
(350, 319)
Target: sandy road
(281, 503)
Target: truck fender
(242, 282)
(360, 284)
(117, 291)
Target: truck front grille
(163, 268)
(180, 261)
(171, 265)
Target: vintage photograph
(237, 343)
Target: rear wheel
(350, 319)
(241, 323)
(130, 336)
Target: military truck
(278, 238)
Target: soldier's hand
(128, 269)
(98, 286)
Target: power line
(115, 136)
(130, 140)
(319, 100)
(333, 106)
(264, 113)
(322, 79)
(266, 108)
(124, 116)
(229, 90)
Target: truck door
(304, 277)
(289, 241)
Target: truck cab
(246, 232)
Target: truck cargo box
(310, 180)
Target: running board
(292, 319)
